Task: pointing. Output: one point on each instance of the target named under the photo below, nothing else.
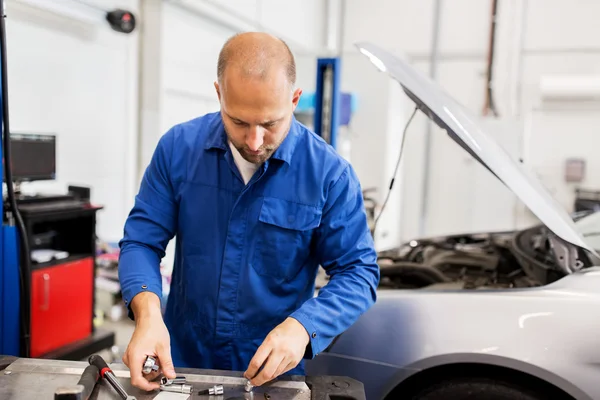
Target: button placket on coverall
(234, 258)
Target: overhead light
(376, 61)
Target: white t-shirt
(247, 169)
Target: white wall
(376, 132)
(533, 38)
(191, 46)
(71, 75)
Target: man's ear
(296, 97)
(218, 91)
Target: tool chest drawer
(61, 304)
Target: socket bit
(179, 380)
(183, 388)
(248, 386)
(215, 390)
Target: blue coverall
(247, 255)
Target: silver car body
(549, 332)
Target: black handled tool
(107, 373)
(84, 387)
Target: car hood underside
(462, 127)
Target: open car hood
(461, 125)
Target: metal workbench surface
(37, 379)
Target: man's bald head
(257, 93)
(255, 55)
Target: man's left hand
(282, 349)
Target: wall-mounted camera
(121, 20)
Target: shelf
(112, 274)
(53, 263)
(108, 285)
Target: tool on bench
(177, 388)
(176, 385)
(83, 389)
(177, 381)
(215, 390)
(108, 374)
(179, 385)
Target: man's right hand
(150, 338)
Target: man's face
(257, 113)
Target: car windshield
(589, 228)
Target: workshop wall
(71, 75)
(460, 193)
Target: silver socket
(187, 389)
(216, 390)
(150, 365)
(179, 380)
(248, 386)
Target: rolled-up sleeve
(150, 226)
(346, 251)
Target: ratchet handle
(83, 389)
(99, 363)
(88, 380)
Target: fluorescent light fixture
(376, 61)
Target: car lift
(327, 100)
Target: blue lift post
(327, 99)
(9, 272)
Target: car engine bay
(472, 261)
(491, 260)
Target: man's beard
(266, 151)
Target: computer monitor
(33, 157)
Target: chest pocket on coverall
(283, 237)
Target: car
(499, 315)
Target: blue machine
(10, 334)
(327, 99)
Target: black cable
(490, 67)
(387, 197)
(23, 272)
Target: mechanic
(257, 203)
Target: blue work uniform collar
(218, 140)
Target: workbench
(37, 379)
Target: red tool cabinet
(60, 312)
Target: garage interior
(485, 286)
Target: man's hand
(282, 349)
(150, 338)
